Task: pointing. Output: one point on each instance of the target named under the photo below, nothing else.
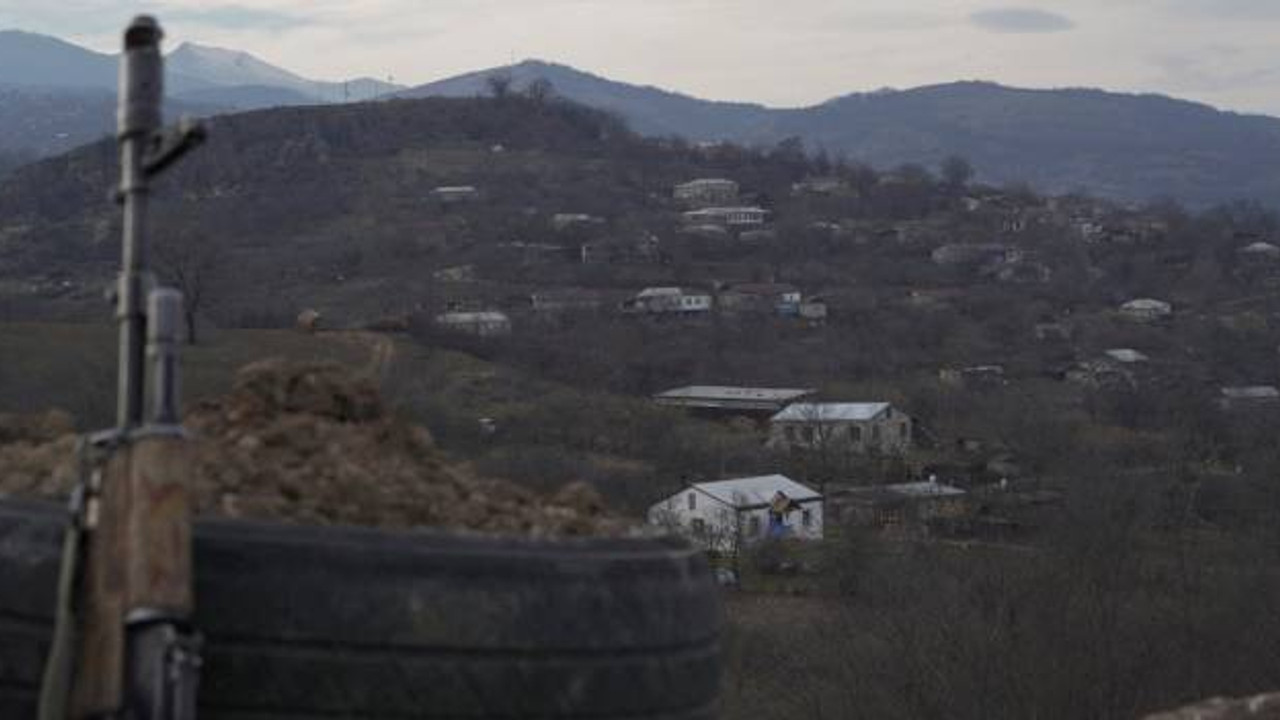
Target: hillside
(1128, 147)
(1138, 513)
(39, 122)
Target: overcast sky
(777, 52)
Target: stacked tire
(304, 622)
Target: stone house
(706, 192)
(779, 298)
(868, 427)
(727, 216)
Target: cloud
(1021, 20)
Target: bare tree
(956, 172)
(192, 263)
(540, 91)
(499, 85)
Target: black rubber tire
(339, 622)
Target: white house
(484, 324)
(726, 514)
(1146, 309)
(852, 427)
(669, 300)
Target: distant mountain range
(1127, 147)
(55, 95)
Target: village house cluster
(742, 511)
(988, 237)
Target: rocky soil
(314, 443)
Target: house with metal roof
(727, 216)
(726, 514)
(707, 191)
(775, 298)
(722, 399)
(1128, 356)
(858, 427)
(1251, 397)
(669, 300)
(487, 323)
(455, 193)
(1146, 309)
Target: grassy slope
(549, 433)
(73, 366)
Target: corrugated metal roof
(1260, 247)
(1126, 355)
(1147, 304)
(722, 392)
(702, 182)
(752, 491)
(472, 317)
(831, 412)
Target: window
(699, 526)
(875, 433)
(753, 525)
(693, 501)
(809, 435)
(792, 434)
(806, 518)
(855, 433)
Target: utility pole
(124, 648)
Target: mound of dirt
(314, 443)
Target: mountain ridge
(1131, 147)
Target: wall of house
(890, 434)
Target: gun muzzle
(141, 78)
